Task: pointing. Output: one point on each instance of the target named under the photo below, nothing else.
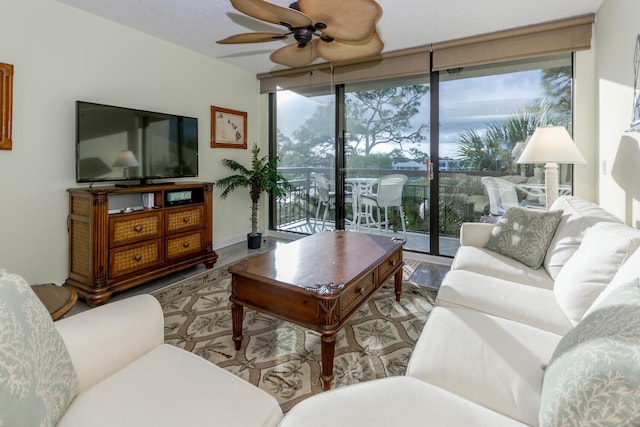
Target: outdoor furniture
(325, 199)
(387, 194)
(502, 194)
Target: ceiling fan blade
(293, 56)
(256, 37)
(273, 13)
(338, 50)
(345, 20)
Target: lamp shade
(125, 159)
(551, 144)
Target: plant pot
(253, 242)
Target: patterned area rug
(283, 358)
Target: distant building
(449, 164)
(411, 165)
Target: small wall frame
(6, 105)
(228, 128)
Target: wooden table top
(321, 258)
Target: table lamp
(125, 160)
(551, 145)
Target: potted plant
(262, 176)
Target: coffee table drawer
(358, 293)
(388, 266)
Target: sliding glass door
(305, 140)
(486, 115)
(407, 157)
(387, 152)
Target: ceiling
(197, 24)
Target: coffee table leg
(236, 322)
(327, 351)
(398, 283)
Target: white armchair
(127, 376)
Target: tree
(556, 83)
(373, 117)
(492, 151)
(383, 116)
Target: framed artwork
(6, 105)
(228, 128)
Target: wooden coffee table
(317, 282)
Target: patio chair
(325, 199)
(387, 194)
(502, 194)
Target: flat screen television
(132, 146)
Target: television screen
(123, 144)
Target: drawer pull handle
(185, 244)
(138, 228)
(360, 290)
(187, 219)
(138, 257)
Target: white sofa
(120, 372)
(495, 337)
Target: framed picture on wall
(6, 105)
(228, 128)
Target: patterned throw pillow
(524, 234)
(593, 377)
(37, 378)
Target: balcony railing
(462, 198)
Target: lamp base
(550, 183)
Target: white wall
(617, 26)
(61, 55)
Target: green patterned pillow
(593, 378)
(524, 234)
(37, 378)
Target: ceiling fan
(336, 30)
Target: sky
(469, 103)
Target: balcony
(462, 199)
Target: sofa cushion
(394, 401)
(37, 378)
(489, 263)
(172, 387)
(494, 362)
(629, 271)
(530, 305)
(593, 377)
(577, 217)
(524, 234)
(604, 249)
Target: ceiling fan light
(302, 36)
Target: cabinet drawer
(182, 245)
(134, 228)
(358, 293)
(385, 269)
(185, 219)
(134, 257)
